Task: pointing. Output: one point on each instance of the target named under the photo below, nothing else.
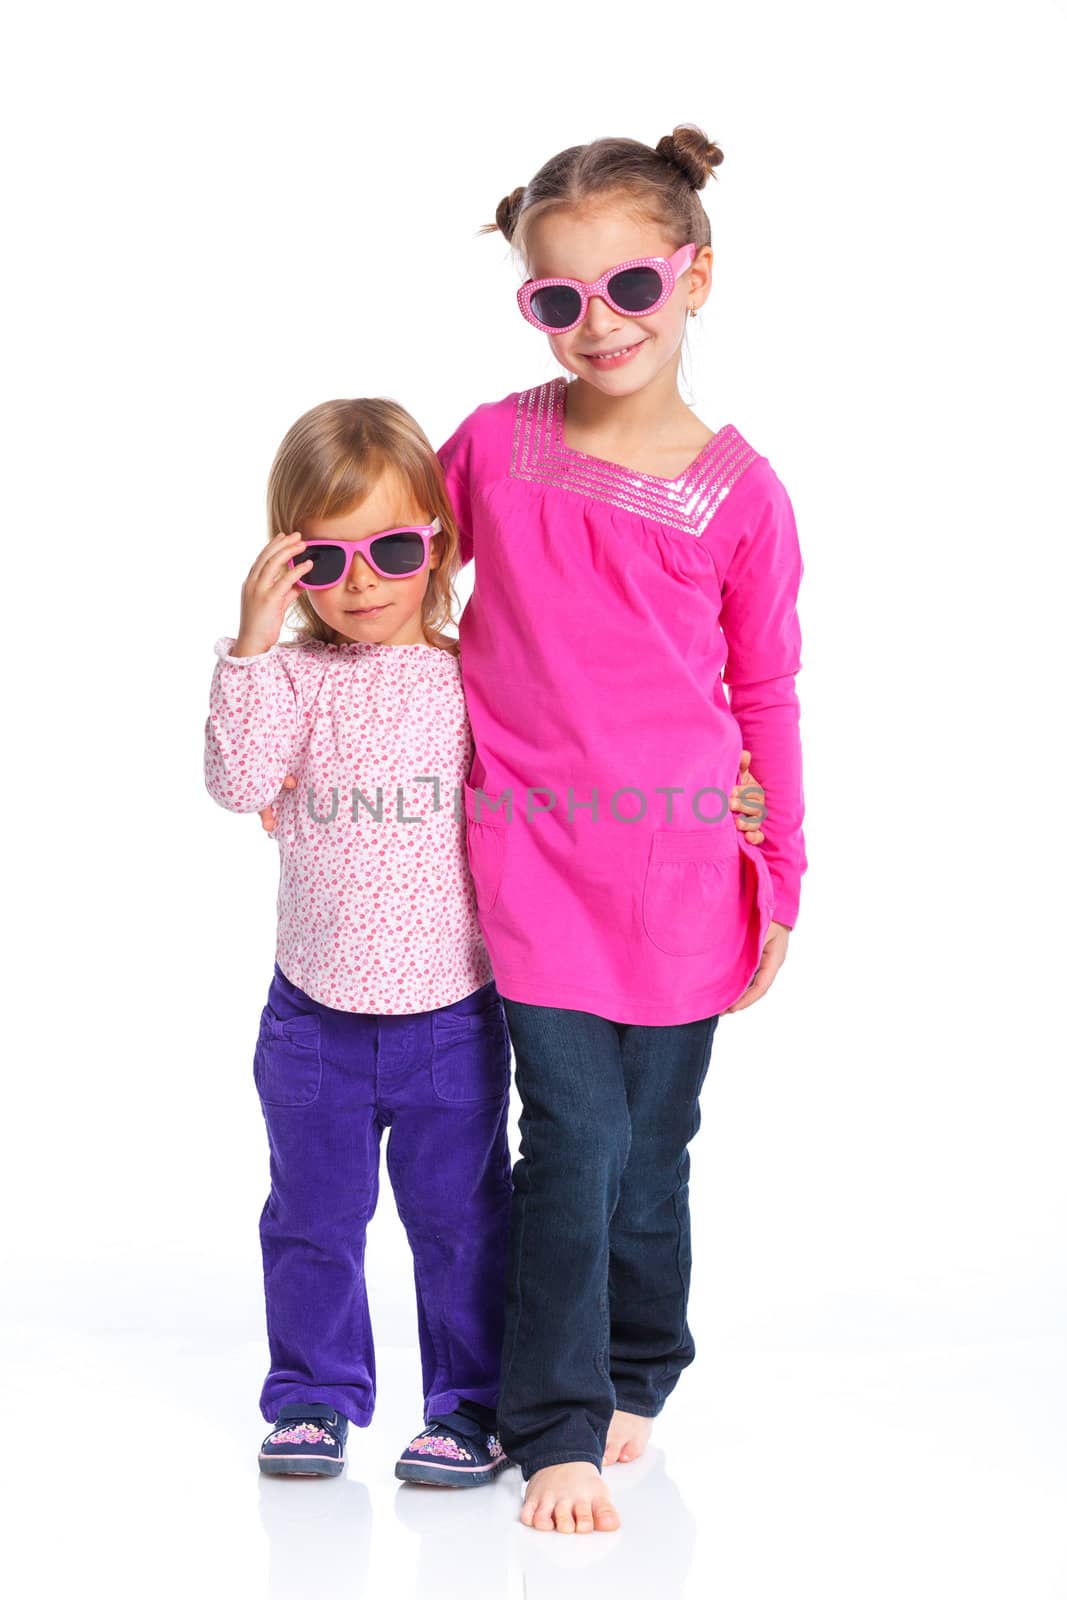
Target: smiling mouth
(611, 355)
(365, 611)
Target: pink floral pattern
(373, 915)
(494, 1446)
(435, 1444)
(302, 1433)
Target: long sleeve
(762, 632)
(454, 456)
(250, 736)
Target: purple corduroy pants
(329, 1082)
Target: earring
(692, 311)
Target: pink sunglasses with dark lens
(393, 553)
(633, 288)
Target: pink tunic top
(609, 609)
(376, 909)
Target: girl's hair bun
(690, 150)
(507, 212)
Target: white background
(218, 216)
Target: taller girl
(629, 564)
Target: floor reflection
(472, 1541)
(650, 1555)
(319, 1534)
(464, 1534)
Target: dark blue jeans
(599, 1250)
(330, 1082)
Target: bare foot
(569, 1498)
(627, 1437)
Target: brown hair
(660, 184)
(329, 462)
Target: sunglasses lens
(557, 306)
(636, 289)
(398, 554)
(328, 565)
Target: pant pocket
(471, 1057)
(692, 888)
(288, 1059)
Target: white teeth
(609, 355)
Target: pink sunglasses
(633, 288)
(394, 553)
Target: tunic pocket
(288, 1061)
(693, 888)
(487, 839)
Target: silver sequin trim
(688, 503)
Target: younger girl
(629, 564)
(382, 1012)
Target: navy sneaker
(459, 1450)
(308, 1440)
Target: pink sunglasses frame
(670, 270)
(350, 546)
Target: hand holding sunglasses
(633, 289)
(321, 563)
(266, 595)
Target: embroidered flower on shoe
(434, 1445)
(493, 1445)
(301, 1433)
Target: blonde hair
(329, 462)
(660, 184)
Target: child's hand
(748, 797)
(774, 952)
(267, 593)
(266, 816)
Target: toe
(583, 1517)
(526, 1511)
(605, 1517)
(543, 1518)
(564, 1517)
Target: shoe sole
(450, 1477)
(308, 1467)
